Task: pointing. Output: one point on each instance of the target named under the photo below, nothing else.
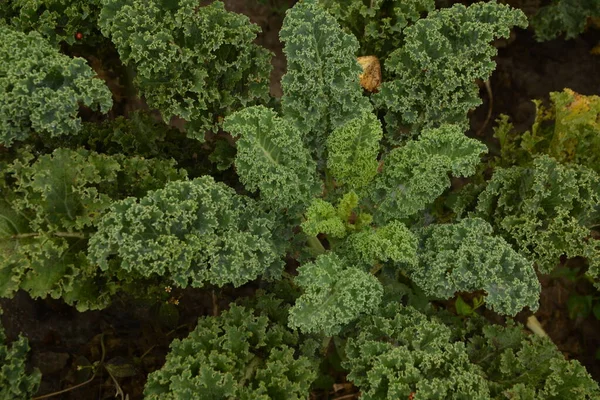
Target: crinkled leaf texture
(378, 24)
(353, 149)
(16, 382)
(466, 257)
(322, 217)
(521, 366)
(334, 295)
(399, 352)
(434, 73)
(335, 222)
(546, 210)
(416, 174)
(193, 232)
(195, 62)
(568, 131)
(392, 242)
(321, 87)
(567, 17)
(48, 213)
(271, 157)
(42, 89)
(57, 20)
(237, 355)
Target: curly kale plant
(195, 62)
(568, 17)
(546, 209)
(360, 224)
(377, 24)
(42, 89)
(58, 21)
(402, 353)
(321, 87)
(321, 207)
(194, 232)
(568, 131)
(238, 355)
(49, 209)
(434, 73)
(465, 257)
(517, 365)
(16, 382)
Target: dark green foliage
(546, 210)
(141, 134)
(51, 206)
(433, 75)
(193, 232)
(401, 351)
(16, 382)
(466, 257)
(378, 24)
(321, 87)
(568, 17)
(517, 365)
(416, 174)
(195, 62)
(42, 88)
(56, 20)
(237, 355)
(223, 155)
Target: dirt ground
(63, 339)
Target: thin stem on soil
(80, 384)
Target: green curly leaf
(546, 210)
(50, 211)
(272, 158)
(416, 174)
(237, 355)
(17, 382)
(400, 352)
(567, 17)
(195, 62)
(353, 149)
(42, 89)
(193, 232)
(378, 24)
(334, 295)
(466, 257)
(321, 87)
(433, 75)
